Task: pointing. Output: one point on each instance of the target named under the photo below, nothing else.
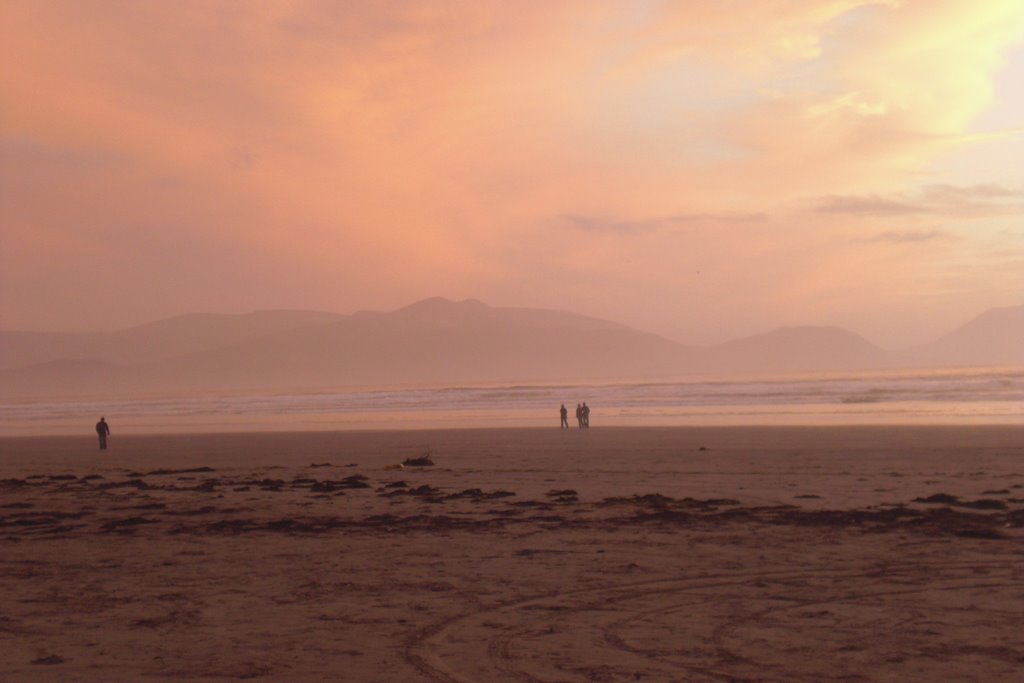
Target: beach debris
(946, 499)
(983, 504)
(539, 504)
(356, 481)
(127, 525)
(51, 659)
(478, 495)
(424, 460)
(939, 498)
(660, 502)
(980, 532)
(320, 464)
(531, 552)
(141, 506)
(131, 483)
(424, 490)
(563, 495)
(655, 499)
(396, 466)
(396, 485)
(466, 493)
(190, 470)
(434, 495)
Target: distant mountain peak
(822, 329)
(995, 337)
(440, 303)
(441, 341)
(805, 334)
(798, 348)
(995, 316)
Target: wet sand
(614, 554)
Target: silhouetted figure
(564, 412)
(586, 415)
(579, 415)
(102, 430)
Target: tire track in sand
(459, 649)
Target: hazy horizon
(685, 168)
(342, 314)
(442, 343)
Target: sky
(702, 169)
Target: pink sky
(701, 169)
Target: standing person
(586, 415)
(579, 415)
(565, 417)
(102, 430)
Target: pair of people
(582, 416)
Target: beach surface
(862, 553)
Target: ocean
(947, 396)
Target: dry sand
(646, 554)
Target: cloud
(910, 236)
(974, 201)
(595, 224)
(872, 205)
(19, 155)
(952, 194)
(350, 154)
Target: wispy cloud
(23, 153)
(973, 201)
(596, 224)
(866, 205)
(354, 154)
(911, 236)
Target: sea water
(947, 396)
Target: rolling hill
(439, 342)
(996, 337)
(433, 341)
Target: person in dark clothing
(586, 415)
(579, 415)
(102, 430)
(565, 417)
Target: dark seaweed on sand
(946, 499)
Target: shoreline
(961, 396)
(1004, 414)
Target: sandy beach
(611, 554)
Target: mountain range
(440, 342)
